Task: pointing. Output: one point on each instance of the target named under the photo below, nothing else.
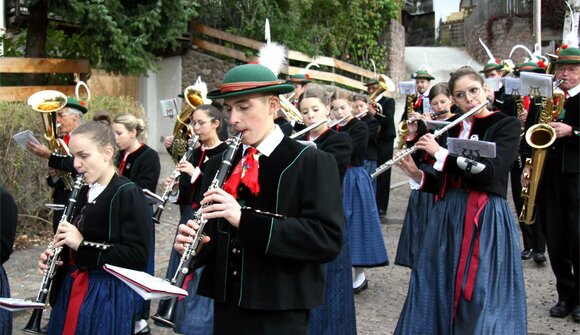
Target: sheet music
(407, 87)
(13, 304)
(471, 148)
(169, 107)
(512, 86)
(536, 84)
(23, 137)
(493, 83)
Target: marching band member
(558, 190)
(337, 315)
(423, 79)
(420, 203)
(69, 118)
(470, 265)
(140, 164)
(361, 104)
(111, 224)
(8, 221)
(269, 233)
(194, 313)
(362, 217)
(385, 144)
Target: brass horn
(385, 85)
(290, 112)
(48, 102)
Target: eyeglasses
(471, 92)
(200, 122)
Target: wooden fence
(350, 75)
(487, 9)
(38, 65)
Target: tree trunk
(36, 39)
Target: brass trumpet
(47, 103)
(540, 137)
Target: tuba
(540, 137)
(402, 128)
(385, 84)
(183, 131)
(47, 103)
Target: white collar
(573, 91)
(267, 146)
(95, 190)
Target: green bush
(23, 174)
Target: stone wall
(211, 69)
(504, 39)
(394, 38)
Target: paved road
(377, 308)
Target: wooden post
(538, 22)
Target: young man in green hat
(422, 84)
(558, 196)
(69, 118)
(492, 70)
(300, 81)
(275, 221)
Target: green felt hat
(528, 67)
(422, 74)
(76, 104)
(250, 78)
(300, 78)
(569, 55)
(372, 81)
(490, 66)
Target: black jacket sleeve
(8, 219)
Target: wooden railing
(354, 78)
(38, 65)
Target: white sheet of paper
(24, 137)
(427, 106)
(169, 107)
(146, 285)
(536, 84)
(513, 86)
(493, 83)
(13, 304)
(407, 87)
(470, 148)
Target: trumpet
(389, 164)
(47, 103)
(166, 308)
(33, 325)
(174, 175)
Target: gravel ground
(377, 308)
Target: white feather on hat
(272, 55)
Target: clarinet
(186, 156)
(166, 308)
(33, 325)
(389, 164)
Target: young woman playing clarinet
(337, 315)
(140, 164)
(111, 225)
(362, 216)
(467, 278)
(194, 313)
(421, 203)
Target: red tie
(245, 172)
(527, 102)
(418, 103)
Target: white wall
(163, 84)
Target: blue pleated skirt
(337, 316)
(418, 209)
(5, 316)
(194, 313)
(362, 216)
(498, 304)
(107, 308)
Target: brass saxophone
(540, 137)
(402, 128)
(519, 111)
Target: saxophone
(33, 325)
(540, 137)
(402, 128)
(520, 109)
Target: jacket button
(235, 273)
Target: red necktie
(246, 172)
(527, 102)
(418, 103)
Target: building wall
(394, 37)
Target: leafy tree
(119, 36)
(345, 29)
